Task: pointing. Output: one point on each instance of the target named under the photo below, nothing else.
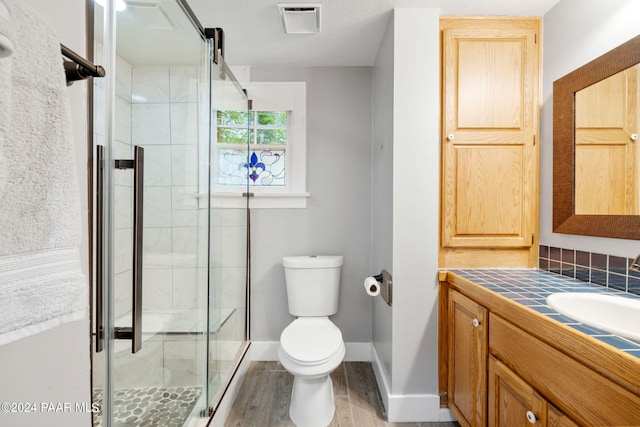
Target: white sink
(615, 314)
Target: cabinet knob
(531, 417)
(476, 322)
(450, 137)
(634, 136)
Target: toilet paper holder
(386, 285)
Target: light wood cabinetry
(467, 360)
(531, 364)
(490, 103)
(576, 389)
(513, 402)
(556, 418)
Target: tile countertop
(531, 288)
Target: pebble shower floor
(150, 406)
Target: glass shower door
(155, 102)
(228, 232)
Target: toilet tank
(313, 284)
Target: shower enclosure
(171, 272)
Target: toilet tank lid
(312, 261)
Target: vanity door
(513, 402)
(467, 375)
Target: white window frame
(277, 96)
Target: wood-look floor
(264, 398)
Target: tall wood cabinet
(490, 115)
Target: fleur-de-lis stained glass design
(264, 168)
(255, 167)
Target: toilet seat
(311, 340)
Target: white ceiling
(351, 29)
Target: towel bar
(79, 68)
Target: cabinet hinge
(533, 238)
(534, 140)
(535, 38)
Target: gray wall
(382, 191)
(576, 32)
(337, 220)
(406, 112)
(416, 177)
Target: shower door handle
(134, 333)
(138, 197)
(99, 252)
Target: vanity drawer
(585, 395)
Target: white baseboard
(407, 407)
(446, 415)
(381, 378)
(268, 351)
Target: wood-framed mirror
(571, 215)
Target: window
(268, 136)
(276, 161)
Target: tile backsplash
(605, 270)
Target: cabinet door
(490, 116)
(513, 402)
(467, 360)
(555, 418)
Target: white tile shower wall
(180, 368)
(226, 344)
(144, 370)
(228, 259)
(164, 121)
(123, 191)
(150, 84)
(163, 361)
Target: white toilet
(311, 347)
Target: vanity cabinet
(490, 160)
(558, 419)
(467, 359)
(529, 369)
(513, 402)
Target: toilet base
(312, 403)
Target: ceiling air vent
(300, 18)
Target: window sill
(258, 201)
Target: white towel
(41, 281)
(6, 49)
(6, 38)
